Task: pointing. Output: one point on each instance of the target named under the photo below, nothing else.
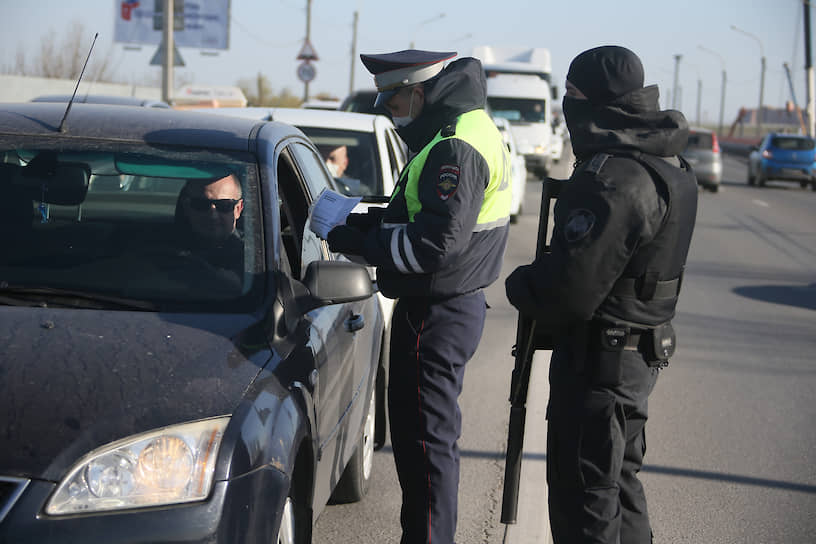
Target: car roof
(103, 99)
(333, 119)
(125, 123)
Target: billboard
(203, 24)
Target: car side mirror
(334, 282)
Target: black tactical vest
(646, 294)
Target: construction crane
(793, 98)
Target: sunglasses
(222, 205)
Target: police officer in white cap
(439, 242)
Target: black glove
(365, 221)
(346, 239)
(517, 289)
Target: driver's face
(214, 209)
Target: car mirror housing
(334, 282)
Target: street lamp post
(761, 75)
(722, 88)
(425, 22)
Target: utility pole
(699, 96)
(308, 40)
(353, 51)
(722, 87)
(674, 87)
(811, 109)
(761, 76)
(169, 49)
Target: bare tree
(65, 59)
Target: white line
(761, 203)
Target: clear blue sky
(266, 36)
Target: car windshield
(165, 228)
(352, 159)
(518, 110)
(700, 140)
(792, 144)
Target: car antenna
(70, 102)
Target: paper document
(329, 210)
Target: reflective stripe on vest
(478, 130)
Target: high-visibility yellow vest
(477, 129)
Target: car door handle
(355, 322)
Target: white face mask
(400, 122)
(334, 170)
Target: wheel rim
(286, 532)
(368, 437)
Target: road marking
(760, 203)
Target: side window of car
(301, 245)
(314, 171)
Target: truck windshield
(130, 221)
(519, 110)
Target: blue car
(183, 360)
(783, 157)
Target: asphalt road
(731, 436)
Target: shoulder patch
(579, 224)
(447, 181)
(597, 162)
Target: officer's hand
(365, 221)
(346, 239)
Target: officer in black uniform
(439, 242)
(607, 293)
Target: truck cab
(519, 90)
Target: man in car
(607, 293)
(439, 242)
(206, 220)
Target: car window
(792, 144)
(300, 179)
(516, 110)
(359, 173)
(130, 221)
(700, 140)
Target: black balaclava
(604, 75)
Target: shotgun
(527, 342)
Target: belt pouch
(608, 343)
(662, 346)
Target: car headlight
(170, 465)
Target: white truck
(519, 90)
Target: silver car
(703, 153)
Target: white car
(518, 168)
(376, 155)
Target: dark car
(159, 389)
(703, 153)
(363, 102)
(783, 157)
(103, 99)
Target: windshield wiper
(42, 296)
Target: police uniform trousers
(595, 446)
(431, 340)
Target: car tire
(751, 178)
(715, 188)
(804, 184)
(760, 180)
(813, 185)
(354, 482)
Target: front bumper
(225, 517)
